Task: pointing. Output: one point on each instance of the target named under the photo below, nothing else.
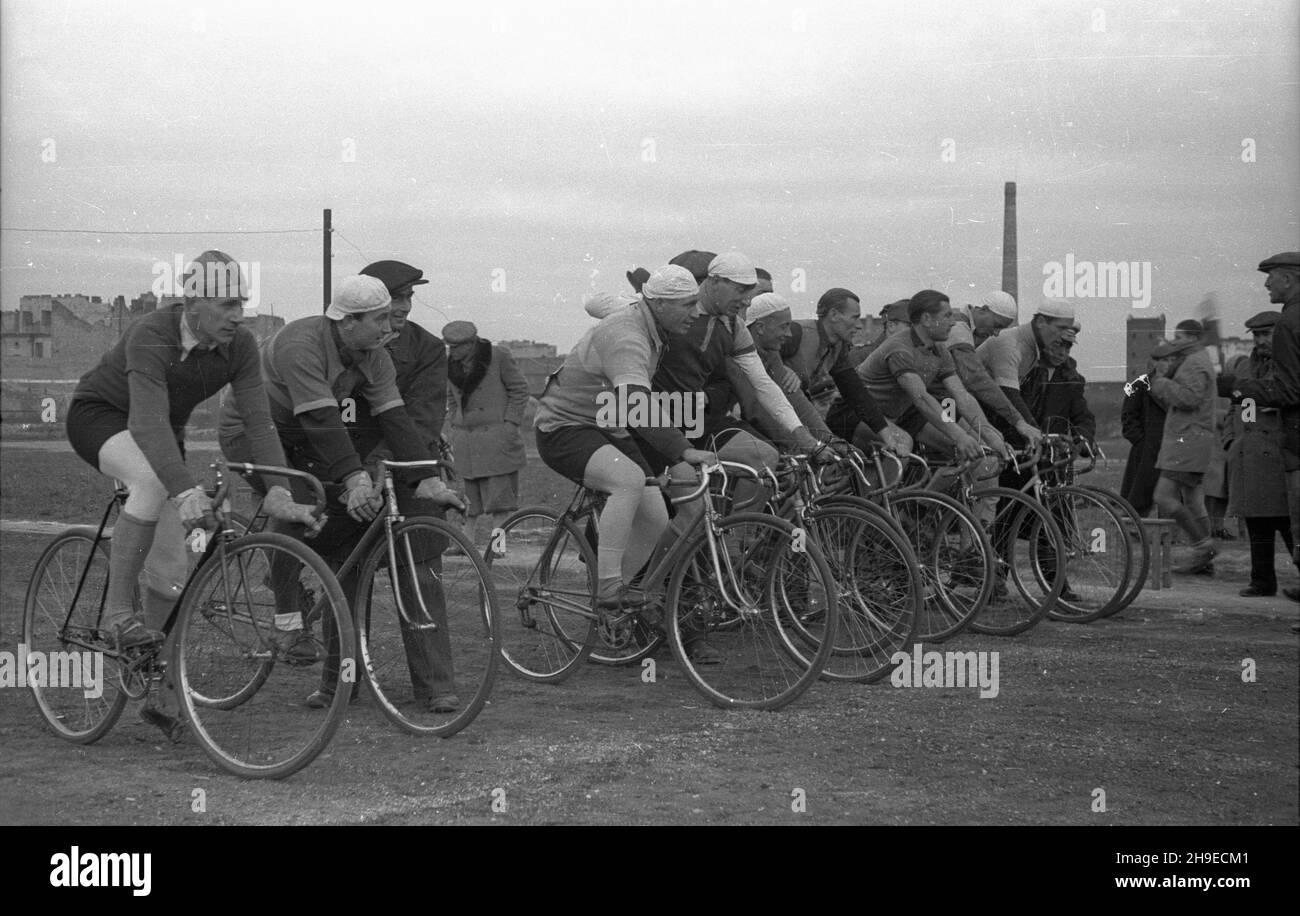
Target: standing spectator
(488, 398)
(1142, 420)
(1258, 478)
(1185, 385)
(1216, 476)
(1281, 387)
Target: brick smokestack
(1010, 274)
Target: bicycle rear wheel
(66, 633)
(449, 648)
(881, 592)
(1098, 559)
(954, 557)
(544, 573)
(242, 680)
(759, 668)
(1022, 534)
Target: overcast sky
(549, 147)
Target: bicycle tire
(1094, 535)
(465, 630)
(954, 556)
(52, 625)
(758, 668)
(226, 638)
(1016, 513)
(881, 592)
(544, 573)
(1137, 534)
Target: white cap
(1056, 308)
(763, 305)
(357, 295)
(599, 305)
(670, 282)
(735, 267)
(1001, 304)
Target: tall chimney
(1010, 275)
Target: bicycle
(1100, 536)
(450, 596)
(230, 665)
(725, 576)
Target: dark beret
(637, 278)
(697, 262)
(398, 277)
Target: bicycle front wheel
(739, 611)
(1097, 559)
(1139, 544)
(61, 620)
(427, 630)
(1023, 535)
(545, 577)
(262, 625)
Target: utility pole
(328, 234)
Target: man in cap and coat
(1258, 476)
(1280, 388)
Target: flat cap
(896, 311)
(1263, 320)
(459, 332)
(1191, 326)
(697, 262)
(1285, 259)
(398, 277)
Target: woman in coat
(486, 405)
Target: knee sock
(1198, 529)
(132, 538)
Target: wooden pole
(328, 234)
(1010, 267)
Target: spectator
(488, 398)
(1185, 385)
(1142, 420)
(1258, 475)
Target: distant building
(1141, 336)
(528, 349)
(144, 303)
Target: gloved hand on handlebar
(434, 489)
(279, 505)
(194, 508)
(1083, 448)
(361, 496)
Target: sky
(526, 155)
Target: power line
(162, 232)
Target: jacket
(1256, 477)
(1188, 398)
(485, 415)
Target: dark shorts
(92, 423)
(1185, 478)
(567, 450)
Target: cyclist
(579, 440)
(127, 419)
(310, 366)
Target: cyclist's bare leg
(614, 473)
